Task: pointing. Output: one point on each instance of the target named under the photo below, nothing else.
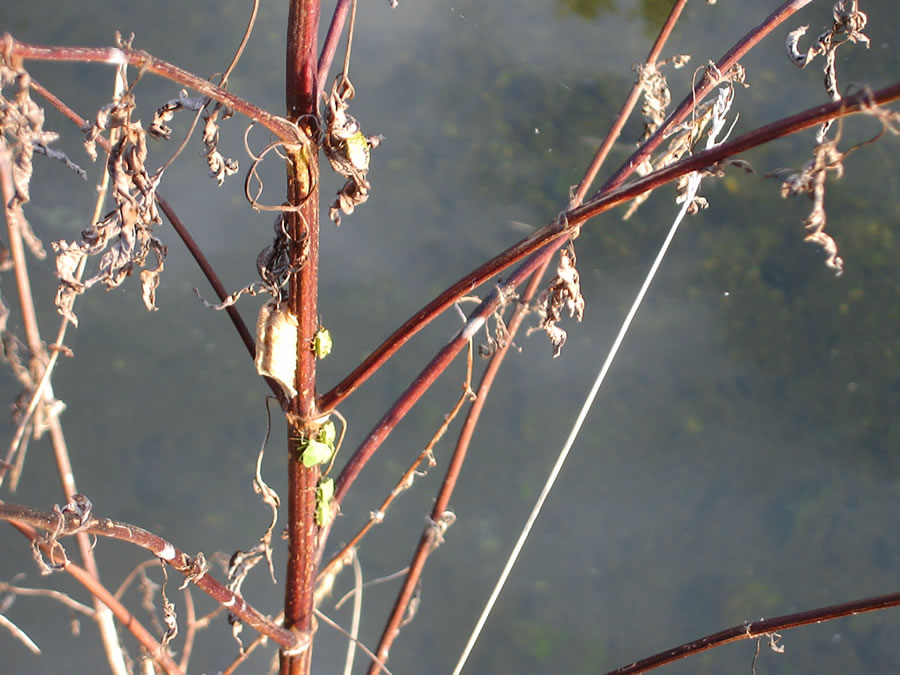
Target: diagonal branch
(98, 590)
(570, 220)
(761, 628)
(146, 62)
(60, 523)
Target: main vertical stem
(303, 228)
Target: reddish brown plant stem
(574, 218)
(427, 540)
(301, 76)
(565, 224)
(329, 47)
(190, 567)
(217, 286)
(619, 123)
(426, 378)
(761, 628)
(303, 422)
(141, 59)
(98, 590)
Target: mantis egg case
(276, 345)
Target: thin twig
(59, 596)
(19, 634)
(627, 107)
(372, 582)
(249, 649)
(223, 83)
(279, 126)
(448, 485)
(329, 46)
(190, 619)
(132, 575)
(333, 624)
(357, 614)
(339, 560)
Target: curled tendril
(252, 174)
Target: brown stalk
(102, 617)
(99, 591)
(303, 420)
(193, 569)
(332, 37)
(146, 62)
(761, 628)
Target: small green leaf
(315, 452)
(324, 495)
(328, 434)
(325, 490)
(322, 343)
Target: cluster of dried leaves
(683, 137)
(22, 134)
(124, 236)
(848, 25)
(810, 180)
(657, 97)
(563, 292)
(220, 167)
(347, 149)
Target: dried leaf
(348, 150)
(810, 180)
(219, 167)
(564, 291)
(848, 25)
(123, 238)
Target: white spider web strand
(722, 105)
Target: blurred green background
(741, 461)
